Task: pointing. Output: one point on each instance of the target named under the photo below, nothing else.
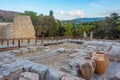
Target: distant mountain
(8, 14)
(78, 20)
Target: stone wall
(21, 28)
(1, 31)
(1, 28)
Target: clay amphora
(101, 61)
(87, 67)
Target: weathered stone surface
(62, 75)
(68, 51)
(21, 28)
(5, 73)
(46, 47)
(28, 66)
(114, 53)
(83, 52)
(1, 76)
(66, 68)
(74, 55)
(5, 55)
(39, 47)
(16, 51)
(71, 70)
(24, 50)
(39, 69)
(114, 78)
(49, 76)
(14, 66)
(75, 62)
(61, 50)
(46, 50)
(29, 76)
(113, 70)
(69, 77)
(32, 48)
(76, 50)
(6, 58)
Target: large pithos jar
(87, 67)
(102, 62)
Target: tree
(100, 29)
(2, 19)
(87, 28)
(55, 28)
(51, 23)
(33, 15)
(51, 13)
(111, 23)
(68, 29)
(44, 24)
(76, 29)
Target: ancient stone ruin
(63, 61)
(21, 28)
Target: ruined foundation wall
(2, 25)
(8, 31)
(21, 28)
(1, 33)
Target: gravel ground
(54, 61)
(65, 45)
(13, 76)
(32, 54)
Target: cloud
(76, 13)
(61, 12)
(68, 15)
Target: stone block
(1, 76)
(61, 50)
(28, 66)
(29, 76)
(39, 69)
(38, 48)
(14, 66)
(58, 75)
(114, 53)
(24, 50)
(74, 55)
(76, 50)
(5, 73)
(16, 52)
(32, 49)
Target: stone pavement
(9, 63)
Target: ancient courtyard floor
(66, 57)
(56, 60)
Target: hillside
(8, 14)
(78, 20)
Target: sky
(64, 9)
